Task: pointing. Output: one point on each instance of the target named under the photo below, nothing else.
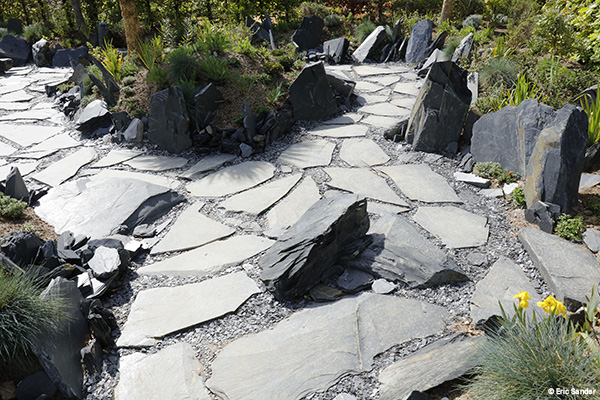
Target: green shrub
(183, 65)
(332, 20)
(127, 91)
(493, 100)
(112, 59)
(570, 228)
(244, 46)
(214, 69)
(128, 81)
(275, 94)
(129, 69)
(593, 205)
(507, 176)
(487, 170)
(189, 90)
(264, 78)
(518, 198)
(553, 33)
(464, 8)
(592, 109)
(214, 42)
(245, 83)
(451, 45)
(364, 29)
(524, 89)
(151, 52)
(85, 100)
(32, 33)
(472, 21)
(11, 208)
(273, 68)
(313, 8)
(159, 76)
(499, 71)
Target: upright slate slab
(168, 120)
(370, 45)
(336, 50)
(68, 57)
(16, 49)
(311, 350)
(308, 35)
(310, 94)
(419, 182)
(420, 37)
(456, 227)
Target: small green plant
(272, 68)
(151, 52)
(112, 59)
(275, 94)
(183, 65)
(364, 29)
(524, 89)
(592, 109)
(11, 208)
(570, 228)
(518, 198)
(473, 20)
(245, 83)
(451, 45)
(127, 91)
(507, 176)
(332, 20)
(244, 46)
(314, 8)
(87, 100)
(214, 69)
(129, 69)
(159, 76)
(499, 71)
(128, 81)
(28, 228)
(264, 78)
(65, 87)
(593, 205)
(32, 33)
(214, 42)
(487, 170)
(501, 50)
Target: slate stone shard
(68, 57)
(15, 186)
(94, 116)
(308, 35)
(207, 102)
(420, 37)
(16, 49)
(591, 238)
(336, 50)
(463, 50)
(400, 253)
(42, 54)
(134, 132)
(311, 350)
(105, 263)
(456, 227)
(370, 45)
(354, 280)
(168, 120)
(303, 256)
(419, 182)
(543, 215)
(434, 364)
(440, 111)
(21, 247)
(569, 270)
(311, 95)
(35, 386)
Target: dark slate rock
(439, 113)
(369, 47)
(472, 117)
(342, 86)
(60, 354)
(153, 208)
(463, 50)
(106, 242)
(306, 253)
(105, 263)
(48, 255)
(101, 326)
(324, 293)
(207, 101)
(65, 240)
(91, 357)
(591, 238)
(21, 247)
(42, 53)
(144, 231)
(16, 49)
(569, 270)
(169, 121)
(400, 253)
(15, 186)
(591, 159)
(509, 136)
(79, 241)
(336, 50)
(68, 57)
(555, 165)
(35, 386)
(354, 280)
(420, 37)
(121, 120)
(310, 94)
(543, 215)
(94, 119)
(249, 122)
(435, 57)
(5, 64)
(110, 83)
(134, 132)
(437, 44)
(14, 25)
(308, 35)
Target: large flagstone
(455, 227)
(14, 106)
(156, 163)
(26, 135)
(343, 131)
(419, 182)
(17, 96)
(6, 150)
(310, 153)
(368, 70)
(364, 182)
(232, 179)
(384, 110)
(66, 168)
(207, 163)
(289, 210)
(115, 157)
(37, 115)
(25, 168)
(49, 146)
(362, 153)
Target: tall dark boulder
(168, 120)
(16, 49)
(418, 42)
(311, 95)
(308, 35)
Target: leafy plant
(245, 83)
(273, 68)
(214, 69)
(127, 91)
(501, 50)
(332, 20)
(244, 46)
(592, 109)
(151, 52)
(275, 94)
(593, 205)
(128, 81)
(518, 198)
(215, 42)
(570, 228)
(364, 29)
(552, 32)
(158, 75)
(189, 90)
(473, 20)
(451, 45)
(11, 208)
(112, 59)
(524, 89)
(487, 170)
(314, 8)
(183, 65)
(32, 33)
(129, 69)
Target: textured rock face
(306, 253)
(311, 95)
(42, 54)
(419, 39)
(336, 49)
(168, 121)
(308, 36)
(16, 49)
(371, 44)
(68, 57)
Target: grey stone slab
(13, 86)
(369, 87)
(289, 210)
(504, 280)
(17, 96)
(25, 168)
(569, 270)
(6, 150)
(66, 168)
(156, 163)
(14, 106)
(588, 181)
(26, 135)
(404, 102)
(408, 88)
(419, 182)
(362, 153)
(365, 99)
(206, 164)
(340, 131)
(346, 119)
(383, 208)
(364, 182)
(385, 123)
(115, 157)
(49, 146)
(232, 179)
(440, 362)
(171, 373)
(455, 227)
(496, 192)
(591, 238)
(384, 80)
(140, 176)
(472, 179)
(382, 286)
(257, 200)
(310, 153)
(158, 312)
(37, 115)
(190, 230)
(368, 70)
(384, 110)
(311, 350)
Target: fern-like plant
(183, 65)
(214, 69)
(592, 109)
(112, 59)
(275, 94)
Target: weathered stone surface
(115, 157)
(173, 372)
(340, 83)
(420, 36)
(383, 208)
(66, 168)
(463, 50)
(311, 95)
(363, 182)
(17, 96)
(105, 262)
(419, 182)
(25, 168)
(383, 286)
(94, 116)
(49, 146)
(366, 86)
(304, 255)
(156, 163)
(543, 215)
(309, 153)
(353, 280)
(591, 238)
(390, 125)
(26, 135)
(207, 102)
(472, 179)
(442, 361)
(16, 49)
(455, 227)
(343, 131)
(308, 35)
(588, 181)
(407, 88)
(134, 132)
(210, 258)
(288, 211)
(42, 54)
(168, 120)
(232, 179)
(370, 45)
(68, 57)
(569, 270)
(158, 312)
(314, 348)
(362, 153)
(34, 386)
(207, 163)
(400, 253)
(21, 247)
(14, 106)
(39, 114)
(336, 50)
(346, 119)
(504, 280)
(370, 70)
(15, 186)
(384, 109)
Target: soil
(30, 221)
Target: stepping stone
(385, 123)
(6, 150)
(14, 106)
(210, 258)
(409, 76)
(404, 102)
(381, 209)
(419, 182)
(115, 157)
(311, 350)
(190, 230)
(288, 211)
(257, 200)
(408, 88)
(346, 119)
(455, 227)
(384, 80)
(140, 176)
(494, 193)
(385, 110)
(367, 70)
(17, 96)
(434, 364)
(232, 179)
(363, 182)
(26, 135)
(156, 163)
(207, 163)
(11, 87)
(171, 373)
(362, 153)
(25, 168)
(66, 168)
(504, 280)
(365, 99)
(37, 115)
(340, 131)
(160, 311)
(310, 153)
(472, 179)
(364, 86)
(569, 270)
(588, 181)
(49, 146)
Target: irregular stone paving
(196, 301)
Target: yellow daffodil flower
(551, 304)
(523, 296)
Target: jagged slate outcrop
(59, 354)
(420, 37)
(168, 120)
(400, 253)
(311, 95)
(440, 362)
(16, 49)
(21, 247)
(336, 50)
(439, 113)
(42, 53)
(508, 136)
(134, 132)
(94, 118)
(207, 101)
(35, 386)
(569, 270)
(543, 215)
(369, 47)
(305, 254)
(463, 50)
(14, 25)
(68, 57)
(435, 57)
(15, 186)
(555, 165)
(308, 35)
(437, 44)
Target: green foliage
(262, 108)
(592, 109)
(127, 91)
(570, 228)
(3, 32)
(364, 29)
(215, 42)
(128, 81)
(189, 90)
(151, 52)
(264, 78)
(487, 170)
(484, 35)
(507, 176)
(332, 20)
(159, 76)
(518, 198)
(32, 33)
(245, 83)
(87, 100)
(287, 60)
(129, 69)
(214, 69)
(244, 46)
(313, 8)
(272, 68)
(524, 89)
(593, 205)
(183, 65)
(472, 21)
(275, 94)
(11, 208)
(112, 59)
(464, 8)
(499, 71)
(493, 101)
(553, 33)
(451, 45)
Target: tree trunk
(446, 10)
(79, 21)
(132, 24)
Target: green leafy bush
(553, 33)
(112, 59)
(364, 29)
(314, 8)
(524, 89)
(159, 76)
(129, 69)
(128, 81)
(487, 170)
(275, 94)
(500, 70)
(332, 20)
(451, 45)
(518, 198)
(273, 68)
(214, 69)
(570, 228)
(151, 52)
(592, 109)
(183, 65)
(32, 33)
(472, 21)
(215, 42)
(127, 91)
(593, 205)
(11, 208)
